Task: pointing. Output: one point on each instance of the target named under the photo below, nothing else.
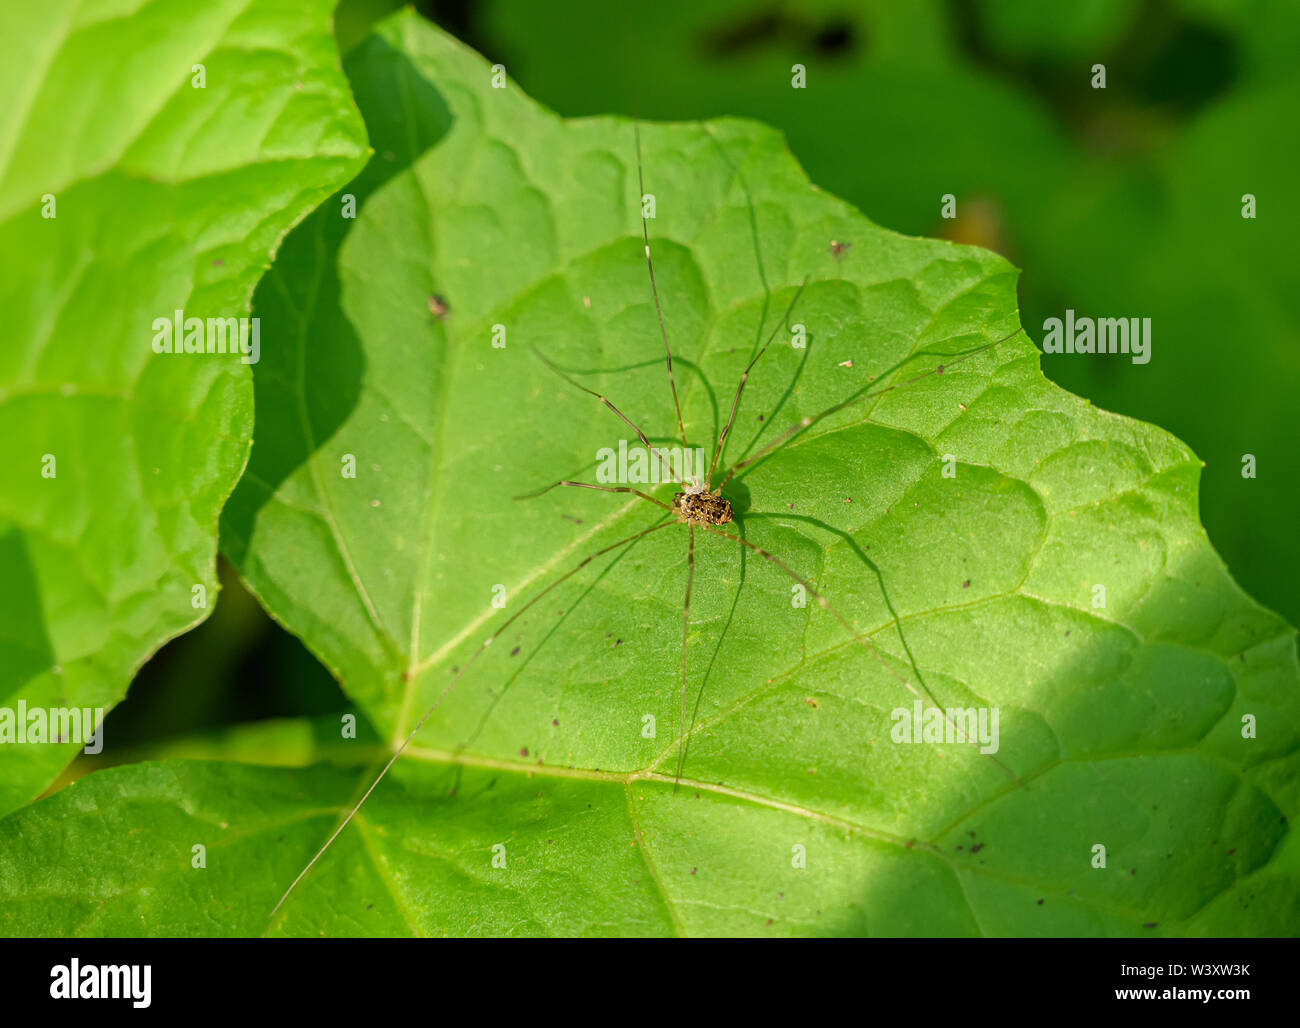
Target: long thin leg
(601, 488)
(804, 423)
(686, 627)
(744, 377)
(654, 291)
(626, 420)
(443, 695)
(858, 637)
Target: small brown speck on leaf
(693, 870)
(966, 584)
(1040, 903)
(977, 847)
(555, 721)
(515, 652)
(523, 751)
(839, 249)
(437, 306)
(811, 702)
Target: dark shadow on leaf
(309, 339)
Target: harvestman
(699, 505)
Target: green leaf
(532, 802)
(1120, 201)
(164, 196)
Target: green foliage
(534, 801)
(166, 197)
(1116, 201)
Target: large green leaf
(1120, 725)
(1118, 201)
(165, 196)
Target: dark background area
(1116, 202)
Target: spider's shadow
(542, 642)
(874, 568)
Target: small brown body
(702, 508)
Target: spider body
(702, 508)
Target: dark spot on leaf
(523, 751)
(977, 847)
(555, 721)
(1040, 903)
(514, 652)
(692, 870)
(438, 306)
(966, 584)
